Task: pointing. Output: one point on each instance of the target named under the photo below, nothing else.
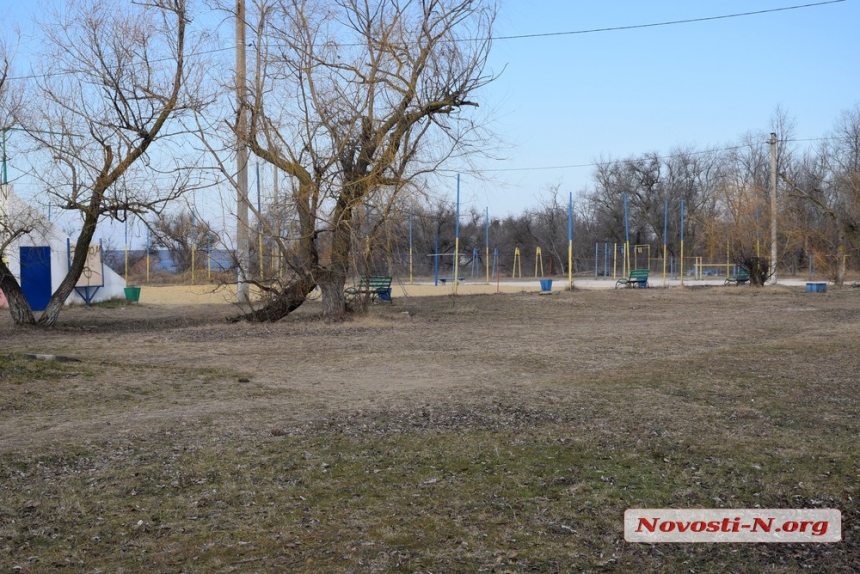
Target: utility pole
(242, 235)
(773, 212)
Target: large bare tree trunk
(758, 267)
(285, 302)
(333, 280)
(19, 308)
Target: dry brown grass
(487, 433)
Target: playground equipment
(518, 263)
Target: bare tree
(113, 77)
(355, 102)
(830, 182)
(181, 233)
(25, 221)
(551, 226)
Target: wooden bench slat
(637, 277)
(742, 277)
(375, 285)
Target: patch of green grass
(499, 491)
(16, 369)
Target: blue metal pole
(626, 223)
(487, 242)
(681, 269)
(605, 259)
(665, 221)
(457, 238)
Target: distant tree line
(726, 198)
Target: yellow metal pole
(518, 263)
(456, 263)
(627, 259)
(570, 264)
(538, 258)
(193, 261)
(664, 264)
(614, 261)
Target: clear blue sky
(569, 100)
(573, 99)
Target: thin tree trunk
(51, 314)
(19, 307)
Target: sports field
(478, 433)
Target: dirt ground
(184, 362)
(477, 433)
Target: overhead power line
(666, 23)
(540, 34)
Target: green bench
(637, 278)
(741, 278)
(377, 286)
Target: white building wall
(45, 234)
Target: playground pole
(457, 239)
(497, 268)
(682, 243)
(596, 258)
(626, 240)
(410, 249)
(605, 259)
(436, 262)
(487, 243)
(665, 233)
(126, 249)
(148, 250)
(614, 261)
(570, 243)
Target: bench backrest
(639, 273)
(376, 282)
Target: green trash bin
(132, 294)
